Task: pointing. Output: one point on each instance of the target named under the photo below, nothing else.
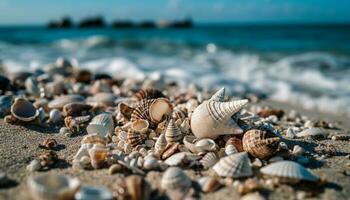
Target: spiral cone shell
(260, 144)
(219, 95)
(173, 132)
(160, 144)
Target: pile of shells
(133, 127)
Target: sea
(307, 65)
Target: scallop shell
(152, 110)
(76, 109)
(260, 144)
(140, 126)
(160, 144)
(24, 110)
(201, 145)
(236, 166)
(55, 116)
(51, 186)
(230, 149)
(102, 99)
(288, 170)
(148, 94)
(60, 101)
(173, 133)
(94, 139)
(102, 124)
(174, 178)
(98, 156)
(219, 96)
(208, 160)
(211, 119)
(181, 158)
(94, 192)
(135, 138)
(209, 184)
(313, 132)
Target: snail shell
(173, 133)
(160, 144)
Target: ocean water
(306, 65)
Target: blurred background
(295, 51)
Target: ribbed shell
(236, 166)
(173, 132)
(288, 169)
(175, 179)
(221, 111)
(230, 149)
(260, 144)
(135, 138)
(160, 144)
(208, 160)
(148, 94)
(219, 95)
(101, 124)
(179, 113)
(94, 139)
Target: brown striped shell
(179, 113)
(173, 133)
(152, 110)
(235, 141)
(135, 138)
(260, 144)
(148, 94)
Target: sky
(241, 11)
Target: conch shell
(211, 118)
(219, 96)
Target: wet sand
(19, 145)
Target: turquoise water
(308, 65)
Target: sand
(19, 145)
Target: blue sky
(41, 11)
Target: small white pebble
(33, 166)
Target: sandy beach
(19, 145)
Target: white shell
(160, 144)
(140, 126)
(24, 110)
(94, 193)
(181, 157)
(208, 160)
(102, 124)
(211, 119)
(33, 166)
(174, 178)
(199, 146)
(312, 132)
(185, 126)
(219, 95)
(288, 169)
(236, 166)
(230, 149)
(55, 116)
(150, 163)
(50, 186)
(173, 133)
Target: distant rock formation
(65, 22)
(92, 22)
(123, 24)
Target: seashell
(76, 109)
(55, 116)
(208, 160)
(32, 86)
(260, 144)
(140, 126)
(185, 126)
(236, 142)
(115, 168)
(209, 184)
(235, 166)
(160, 144)
(60, 101)
(49, 143)
(181, 158)
(288, 171)
(211, 119)
(85, 162)
(51, 186)
(148, 94)
(298, 150)
(135, 138)
(230, 149)
(161, 127)
(5, 105)
(170, 150)
(33, 166)
(98, 155)
(174, 178)
(219, 96)
(94, 193)
(94, 139)
(152, 110)
(48, 158)
(179, 113)
(125, 110)
(102, 124)
(23, 110)
(173, 133)
(102, 99)
(313, 133)
(137, 188)
(201, 145)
